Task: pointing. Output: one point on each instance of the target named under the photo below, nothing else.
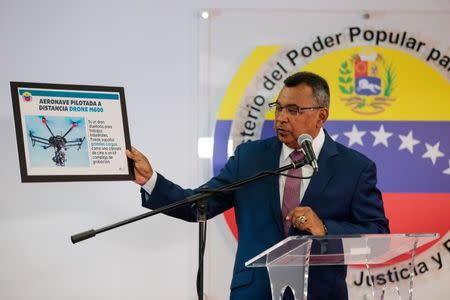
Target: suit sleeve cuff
(150, 184)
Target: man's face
(289, 127)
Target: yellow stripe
(247, 71)
(420, 92)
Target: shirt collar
(317, 144)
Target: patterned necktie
(291, 195)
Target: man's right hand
(142, 168)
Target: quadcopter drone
(58, 142)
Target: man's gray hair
(321, 90)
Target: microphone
(305, 141)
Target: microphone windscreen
(304, 137)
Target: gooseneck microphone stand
(200, 200)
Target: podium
(288, 261)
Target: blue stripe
(65, 94)
(399, 171)
(220, 152)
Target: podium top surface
(370, 249)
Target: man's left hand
(304, 218)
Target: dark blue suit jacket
(343, 195)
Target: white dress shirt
(306, 170)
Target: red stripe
(407, 213)
(418, 213)
(231, 221)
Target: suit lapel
(317, 183)
(326, 169)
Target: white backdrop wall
(150, 48)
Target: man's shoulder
(352, 155)
(260, 144)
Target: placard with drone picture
(71, 132)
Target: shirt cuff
(150, 184)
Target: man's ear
(323, 116)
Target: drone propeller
(44, 120)
(75, 123)
(46, 123)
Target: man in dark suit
(341, 199)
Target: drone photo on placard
(62, 137)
